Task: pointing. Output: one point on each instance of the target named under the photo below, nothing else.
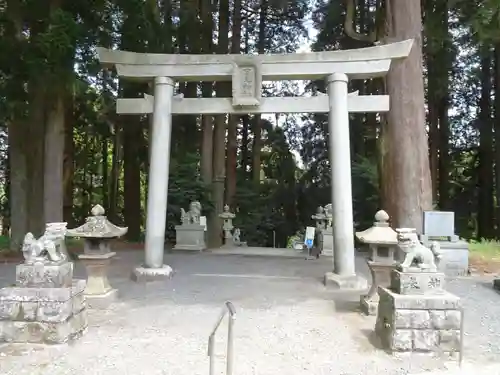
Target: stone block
(143, 274)
(44, 332)
(415, 283)
(42, 315)
(44, 275)
(327, 243)
(101, 301)
(345, 282)
(406, 324)
(190, 237)
(391, 300)
(454, 259)
(369, 306)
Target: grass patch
(487, 249)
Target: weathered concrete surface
(287, 322)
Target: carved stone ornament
(42, 250)
(193, 215)
(418, 257)
(97, 226)
(247, 82)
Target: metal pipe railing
(228, 308)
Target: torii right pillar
(344, 271)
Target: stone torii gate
(247, 73)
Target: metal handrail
(228, 308)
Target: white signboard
(439, 223)
(203, 221)
(309, 237)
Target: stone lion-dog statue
(417, 255)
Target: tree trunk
(406, 172)
(219, 153)
(54, 159)
(207, 121)
(232, 145)
(485, 183)
(18, 184)
(132, 140)
(68, 162)
(497, 137)
(35, 148)
(115, 175)
(257, 124)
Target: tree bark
(132, 140)
(406, 172)
(219, 153)
(497, 137)
(257, 124)
(485, 182)
(232, 145)
(54, 159)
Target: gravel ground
(287, 323)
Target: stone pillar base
(101, 301)
(142, 274)
(98, 292)
(355, 282)
(369, 305)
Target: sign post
(309, 239)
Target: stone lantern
(382, 241)
(227, 226)
(97, 232)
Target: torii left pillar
(153, 267)
(344, 271)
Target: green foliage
(185, 186)
(485, 248)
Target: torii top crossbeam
(359, 63)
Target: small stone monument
(321, 221)
(227, 226)
(190, 234)
(416, 314)
(382, 241)
(328, 232)
(97, 233)
(46, 306)
(439, 226)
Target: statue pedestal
(98, 292)
(327, 243)
(381, 276)
(416, 315)
(190, 237)
(45, 307)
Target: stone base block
(417, 282)
(327, 243)
(194, 248)
(143, 274)
(44, 275)
(42, 315)
(101, 301)
(454, 259)
(419, 323)
(334, 281)
(369, 306)
(190, 237)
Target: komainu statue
(193, 215)
(417, 255)
(42, 250)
